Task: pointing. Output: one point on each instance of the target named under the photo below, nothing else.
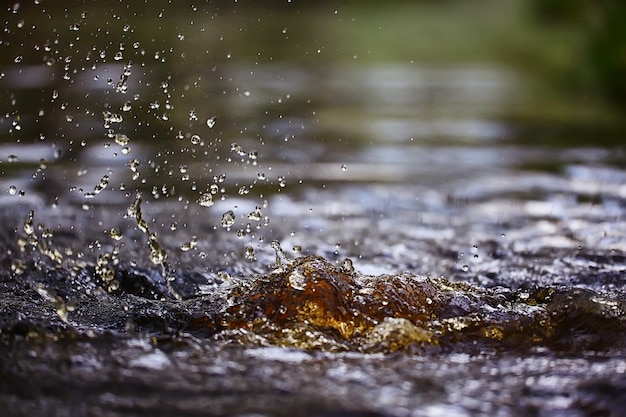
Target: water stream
(230, 210)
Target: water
(242, 210)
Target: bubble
(12, 190)
(211, 122)
(12, 158)
(196, 139)
(344, 167)
(465, 268)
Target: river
(227, 209)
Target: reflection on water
(180, 181)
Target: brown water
(231, 210)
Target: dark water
(222, 209)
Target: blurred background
(203, 100)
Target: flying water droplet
(205, 200)
(211, 122)
(228, 219)
(347, 266)
(115, 234)
(249, 252)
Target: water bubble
(344, 167)
(196, 140)
(249, 252)
(12, 158)
(211, 121)
(12, 190)
(18, 59)
(297, 248)
(465, 268)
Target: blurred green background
(334, 74)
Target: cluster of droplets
(35, 238)
(54, 55)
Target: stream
(214, 218)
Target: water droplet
(228, 219)
(12, 158)
(12, 190)
(211, 122)
(280, 254)
(344, 167)
(121, 139)
(249, 252)
(465, 268)
(115, 233)
(205, 200)
(256, 215)
(195, 139)
(297, 281)
(347, 266)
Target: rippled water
(195, 228)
